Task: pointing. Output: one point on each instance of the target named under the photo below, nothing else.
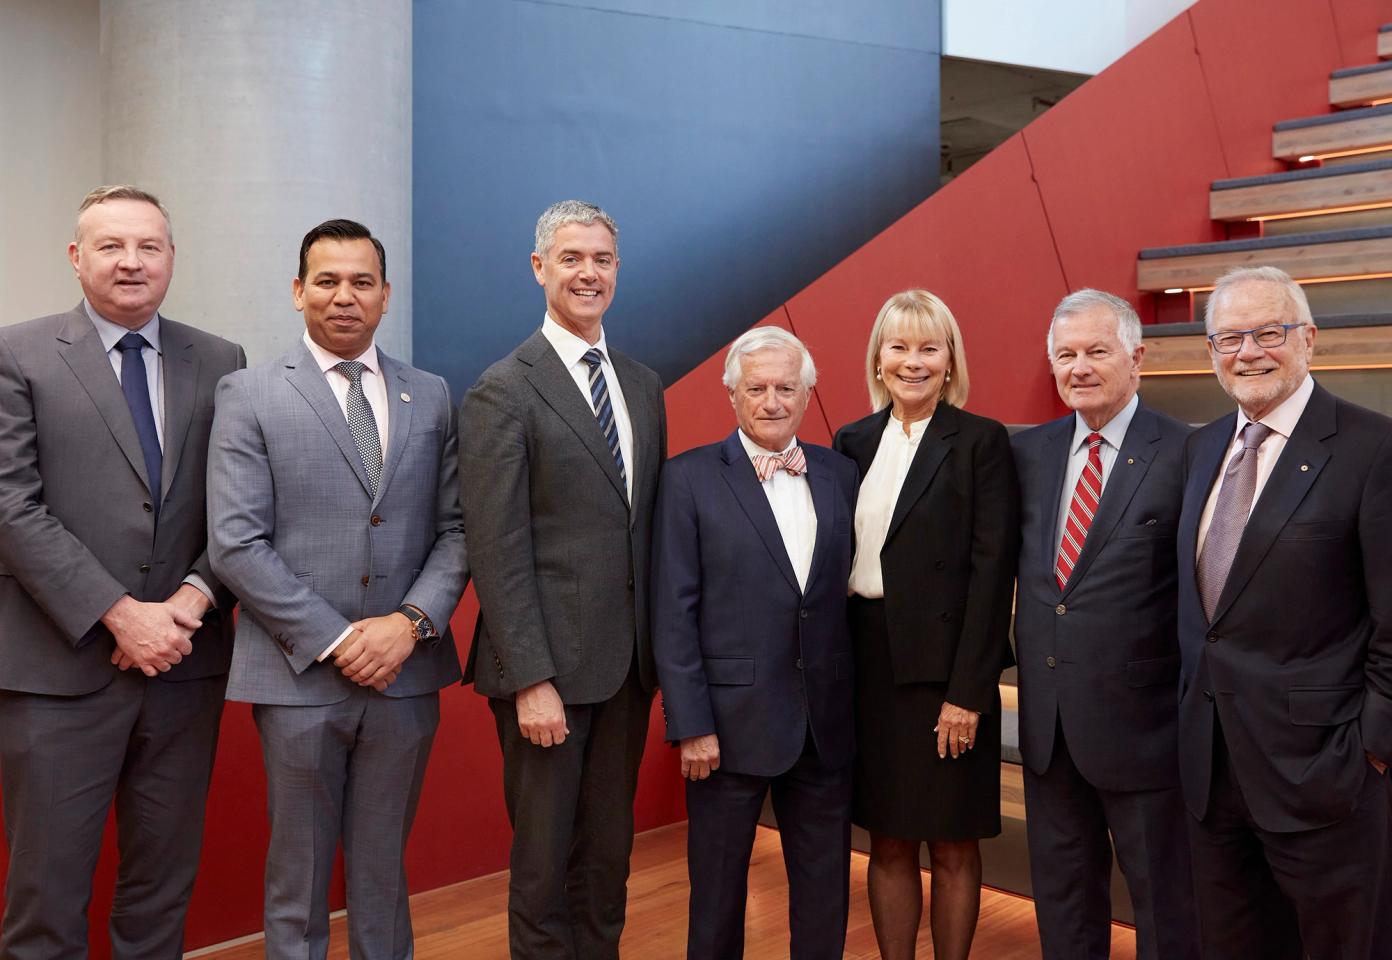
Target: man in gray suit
(114, 633)
(334, 515)
(561, 442)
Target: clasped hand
(956, 730)
(372, 655)
(155, 636)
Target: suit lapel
(1058, 446)
(744, 484)
(1128, 470)
(81, 349)
(398, 416)
(641, 417)
(306, 377)
(820, 480)
(1294, 473)
(552, 381)
(1203, 473)
(180, 374)
(933, 448)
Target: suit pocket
(1146, 529)
(1152, 673)
(730, 671)
(1325, 706)
(1312, 530)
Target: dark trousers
(144, 743)
(1283, 896)
(813, 807)
(349, 771)
(1072, 827)
(571, 808)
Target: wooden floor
(468, 920)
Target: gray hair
(120, 191)
(1128, 324)
(766, 338)
(1293, 292)
(571, 211)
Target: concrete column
(253, 121)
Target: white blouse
(879, 492)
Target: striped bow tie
(767, 464)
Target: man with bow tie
(751, 555)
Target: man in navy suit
(1097, 646)
(1285, 626)
(751, 556)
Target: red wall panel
(1356, 22)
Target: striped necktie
(1086, 496)
(604, 408)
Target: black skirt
(902, 788)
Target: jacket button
(148, 507)
(938, 565)
(376, 520)
(1060, 609)
(945, 616)
(1212, 638)
(144, 568)
(799, 663)
(803, 613)
(366, 579)
(630, 583)
(1050, 662)
(1208, 695)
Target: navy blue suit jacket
(741, 651)
(1102, 655)
(1297, 662)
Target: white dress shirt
(793, 510)
(1282, 422)
(110, 334)
(879, 492)
(1113, 433)
(374, 389)
(570, 349)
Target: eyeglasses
(1266, 337)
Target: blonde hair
(919, 313)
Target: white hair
(766, 338)
(1293, 292)
(571, 211)
(1128, 324)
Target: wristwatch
(425, 630)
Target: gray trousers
(352, 771)
(144, 743)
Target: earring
(877, 375)
(949, 376)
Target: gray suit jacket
(77, 528)
(560, 560)
(295, 531)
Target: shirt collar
(327, 361)
(1283, 419)
(567, 345)
(754, 450)
(1113, 431)
(916, 429)
(112, 332)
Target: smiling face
(124, 260)
(579, 272)
(342, 296)
(1260, 379)
(770, 398)
(1094, 373)
(913, 366)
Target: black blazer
(1102, 656)
(1297, 663)
(949, 559)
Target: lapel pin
(1130, 459)
(405, 398)
(1304, 467)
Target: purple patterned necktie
(1229, 517)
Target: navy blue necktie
(604, 408)
(137, 390)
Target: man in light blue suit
(333, 511)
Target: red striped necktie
(1086, 496)
(794, 461)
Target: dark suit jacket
(949, 560)
(77, 530)
(741, 650)
(1297, 663)
(1102, 656)
(559, 559)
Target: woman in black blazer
(936, 537)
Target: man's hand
(541, 714)
(956, 730)
(151, 636)
(1378, 765)
(700, 756)
(372, 655)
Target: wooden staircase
(1327, 221)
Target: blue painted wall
(743, 148)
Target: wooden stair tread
(1312, 190)
(1349, 131)
(1330, 254)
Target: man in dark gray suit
(1097, 645)
(560, 448)
(334, 515)
(114, 631)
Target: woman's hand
(956, 730)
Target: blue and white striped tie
(604, 408)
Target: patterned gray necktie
(362, 423)
(1229, 517)
(604, 408)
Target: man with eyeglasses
(1285, 629)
